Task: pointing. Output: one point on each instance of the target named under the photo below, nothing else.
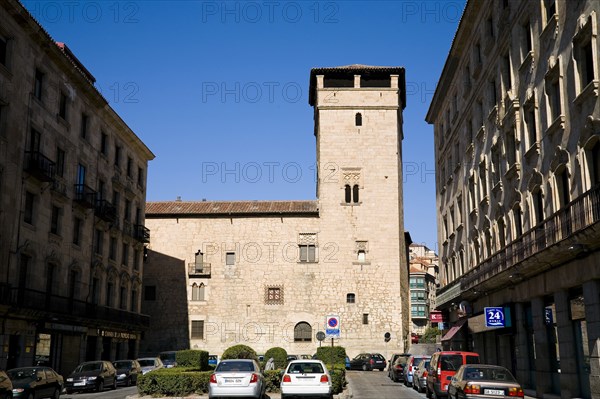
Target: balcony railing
(199, 269)
(39, 166)
(579, 214)
(44, 305)
(105, 211)
(85, 196)
(141, 233)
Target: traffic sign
(332, 326)
(494, 317)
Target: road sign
(320, 335)
(332, 328)
(494, 317)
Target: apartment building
(516, 121)
(72, 205)
(423, 280)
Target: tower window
(348, 193)
(355, 194)
(358, 119)
(351, 298)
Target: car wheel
(56, 394)
(99, 386)
(114, 385)
(364, 367)
(427, 393)
(69, 391)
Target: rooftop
(231, 208)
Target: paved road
(119, 393)
(377, 385)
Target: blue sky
(219, 90)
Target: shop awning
(454, 330)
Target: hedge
(279, 356)
(197, 359)
(239, 352)
(176, 381)
(335, 355)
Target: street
(119, 393)
(377, 385)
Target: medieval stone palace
(271, 273)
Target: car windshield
(168, 356)
(401, 359)
(235, 366)
(488, 374)
(123, 364)
(21, 374)
(306, 368)
(377, 356)
(146, 362)
(88, 367)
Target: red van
(442, 367)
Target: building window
(517, 218)
(39, 85)
(493, 94)
(531, 125)
(230, 258)
(3, 50)
(365, 318)
(553, 93)
(150, 293)
(129, 167)
(84, 126)
(496, 165)
(308, 253)
(117, 156)
(95, 292)
(562, 187)
(110, 291)
(358, 119)
(347, 194)
(197, 329)
(136, 259)
(501, 233)
(417, 282)
(112, 249)
(140, 177)
(593, 161)
(103, 143)
(355, 191)
(134, 300)
(483, 179)
(362, 256)
(550, 8)
(62, 106)
(29, 207)
(477, 51)
(507, 73)
(55, 220)
(99, 242)
(274, 295)
(60, 162)
(125, 254)
(77, 224)
(198, 292)
(583, 52)
(538, 205)
(123, 297)
(511, 148)
(350, 298)
(302, 332)
(127, 211)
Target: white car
(306, 378)
(237, 377)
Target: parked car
(94, 375)
(213, 360)
(368, 362)
(127, 372)
(292, 357)
(397, 369)
(306, 378)
(409, 369)
(347, 363)
(414, 338)
(484, 380)
(6, 386)
(35, 382)
(420, 375)
(237, 377)
(169, 358)
(150, 363)
(442, 367)
(396, 356)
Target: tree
(430, 335)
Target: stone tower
(358, 129)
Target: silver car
(237, 377)
(420, 375)
(150, 363)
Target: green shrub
(197, 359)
(279, 356)
(273, 380)
(239, 352)
(338, 379)
(177, 381)
(332, 355)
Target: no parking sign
(332, 326)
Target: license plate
(79, 384)
(493, 392)
(233, 380)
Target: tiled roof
(231, 208)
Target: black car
(94, 375)
(393, 359)
(35, 382)
(169, 358)
(368, 362)
(5, 386)
(127, 372)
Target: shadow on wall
(164, 299)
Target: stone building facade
(517, 143)
(269, 273)
(72, 202)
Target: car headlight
(92, 378)
(18, 390)
(122, 375)
(69, 379)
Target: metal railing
(199, 269)
(45, 305)
(105, 210)
(141, 233)
(39, 166)
(85, 195)
(579, 214)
